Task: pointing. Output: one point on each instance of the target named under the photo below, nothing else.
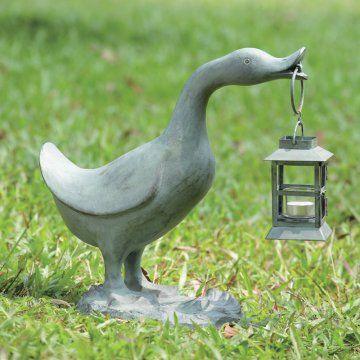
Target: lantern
(299, 208)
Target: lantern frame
(299, 151)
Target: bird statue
(134, 200)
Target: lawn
(101, 78)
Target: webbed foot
(120, 303)
(127, 298)
(160, 290)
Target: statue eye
(247, 61)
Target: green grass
(100, 78)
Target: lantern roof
(305, 149)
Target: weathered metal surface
(125, 205)
(301, 142)
(299, 233)
(316, 154)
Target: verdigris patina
(125, 205)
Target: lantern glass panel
(298, 174)
(323, 205)
(298, 206)
(323, 175)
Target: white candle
(300, 208)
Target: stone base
(216, 307)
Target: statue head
(250, 66)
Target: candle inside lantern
(300, 208)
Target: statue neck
(188, 123)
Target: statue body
(125, 205)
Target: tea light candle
(300, 208)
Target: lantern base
(299, 233)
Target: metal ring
(297, 109)
(299, 123)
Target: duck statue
(134, 200)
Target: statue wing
(124, 185)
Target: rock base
(216, 307)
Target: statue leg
(114, 297)
(133, 273)
(113, 277)
(117, 291)
(135, 280)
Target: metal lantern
(299, 209)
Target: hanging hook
(297, 109)
(298, 123)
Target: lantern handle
(298, 123)
(297, 109)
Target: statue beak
(288, 64)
